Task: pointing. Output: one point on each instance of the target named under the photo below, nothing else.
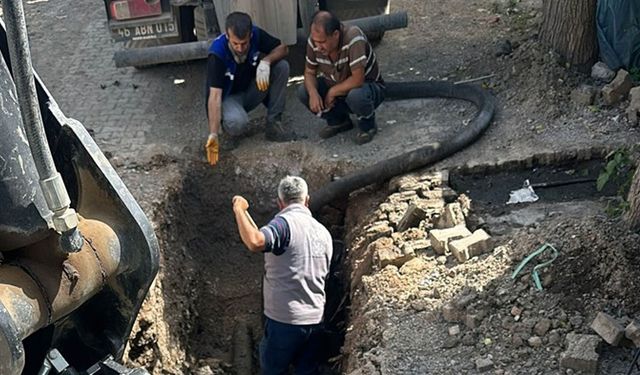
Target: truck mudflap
(98, 324)
(199, 50)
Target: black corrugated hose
(422, 156)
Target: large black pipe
(422, 156)
(199, 50)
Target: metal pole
(64, 219)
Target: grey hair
(293, 189)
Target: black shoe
(277, 131)
(330, 130)
(363, 137)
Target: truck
(77, 254)
(162, 31)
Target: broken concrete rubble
(440, 238)
(386, 253)
(542, 327)
(450, 313)
(484, 364)
(583, 95)
(468, 247)
(451, 216)
(581, 353)
(618, 89)
(632, 332)
(378, 230)
(411, 218)
(601, 71)
(608, 328)
(634, 106)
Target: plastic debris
(524, 195)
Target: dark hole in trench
(552, 183)
(215, 283)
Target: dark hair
(239, 23)
(327, 20)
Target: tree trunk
(633, 216)
(569, 27)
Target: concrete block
(378, 231)
(386, 253)
(618, 89)
(440, 238)
(429, 205)
(438, 178)
(454, 330)
(632, 332)
(583, 95)
(634, 106)
(468, 247)
(601, 71)
(401, 197)
(450, 313)
(484, 364)
(413, 266)
(417, 245)
(581, 354)
(542, 327)
(445, 193)
(608, 328)
(411, 218)
(396, 182)
(451, 216)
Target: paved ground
(134, 110)
(72, 51)
(129, 109)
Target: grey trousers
(235, 107)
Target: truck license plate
(146, 31)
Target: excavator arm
(67, 302)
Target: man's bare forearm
(249, 233)
(277, 54)
(355, 80)
(214, 107)
(310, 81)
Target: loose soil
(208, 283)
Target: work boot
(363, 137)
(366, 130)
(229, 142)
(277, 131)
(330, 130)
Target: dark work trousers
(287, 344)
(361, 101)
(235, 107)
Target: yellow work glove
(262, 75)
(212, 149)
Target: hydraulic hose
(422, 156)
(26, 88)
(55, 193)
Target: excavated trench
(208, 293)
(206, 312)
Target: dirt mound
(599, 263)
(432, 314)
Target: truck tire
(352, 9)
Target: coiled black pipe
(422, 156)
